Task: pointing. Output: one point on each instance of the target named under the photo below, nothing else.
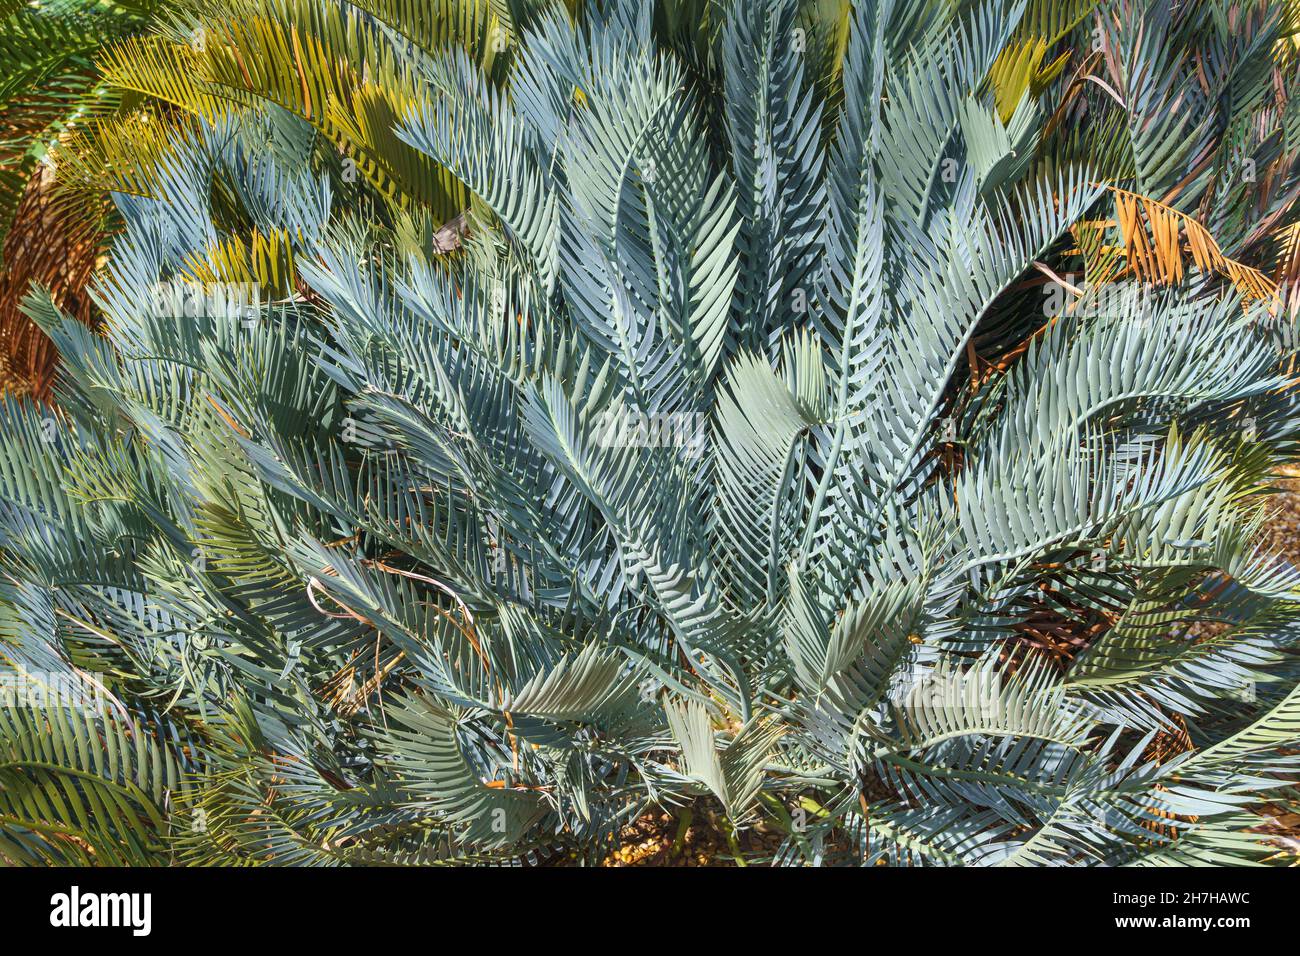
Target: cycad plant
(857, 417)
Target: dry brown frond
(1158, 240)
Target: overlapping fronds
(735, 456)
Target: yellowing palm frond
(325, 64)
(265, 258)
(1022, 66)
(156, 67)
(118, 153)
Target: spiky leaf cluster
(734, 455)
